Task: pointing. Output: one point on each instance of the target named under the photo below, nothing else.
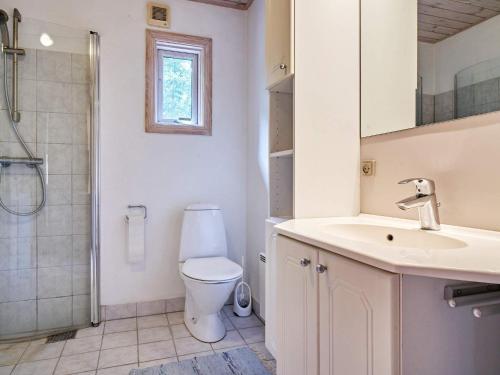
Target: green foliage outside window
(177, 89)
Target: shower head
(4, 18)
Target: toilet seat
(211, 270)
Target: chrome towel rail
(139, 206)
(486, 310)
(471, 294)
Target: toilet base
(202, 312)
(206, 328)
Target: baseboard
(132, 310)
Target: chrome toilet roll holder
(138, 206)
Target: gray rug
(241, 361)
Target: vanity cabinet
(279, 40)
(340, 319)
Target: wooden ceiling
(236, 4)
(440, 19)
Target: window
(178, 84)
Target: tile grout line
(137, 335)
(100, 350)
(59, 358)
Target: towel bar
(486, 310)
(471, 294)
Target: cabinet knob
(320, 268)
(283, 66)
(304, 262)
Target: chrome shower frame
(15, 51)
(95, 176)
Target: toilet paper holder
(139, 206)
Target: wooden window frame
(154, 41)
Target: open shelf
(281, 154)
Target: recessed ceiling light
(46, 40)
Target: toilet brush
(242, 296)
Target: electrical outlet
(368, 167)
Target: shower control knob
(320, 268)
(304, 262)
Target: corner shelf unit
(281, 153)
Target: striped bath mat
(241, 361)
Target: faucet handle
(424, 186)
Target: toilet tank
(203, 233)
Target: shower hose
(26, 149)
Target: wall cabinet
(279, 40)
(336, 316)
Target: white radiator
(262, 285)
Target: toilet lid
(211, 269)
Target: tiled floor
(117, 346)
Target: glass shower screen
(45, 258)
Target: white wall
(474, 45)
(164, 172)
(257, 152)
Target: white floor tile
(44, 367)
(246, 322)
(120, 325)
(232, 339)
(189, 345)
(90, 331)
(82, 345)
(38, 351)
(118, 357)
(6, 370)
(11, 353)
(119, 339)
(175, 318)
(260, 349)
(154, 334)
(152, 321)
(77, 363)
(253, 335)
(180, 330)
(156, 350)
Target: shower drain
(61, 337)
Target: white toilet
(208, 275)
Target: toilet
(209, 276)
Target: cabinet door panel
(297, 316)
(359, 315)
(278, 39)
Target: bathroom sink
(394, 236)
(400, 246)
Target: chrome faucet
(426, 202)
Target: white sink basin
(400, 246)
(394, 237)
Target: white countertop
(478, 260)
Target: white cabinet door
(359, 318)
(297, 310)
(278, 39)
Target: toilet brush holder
(242, 299)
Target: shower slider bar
(6, 161)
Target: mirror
(427, 61)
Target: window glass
(177, 89)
